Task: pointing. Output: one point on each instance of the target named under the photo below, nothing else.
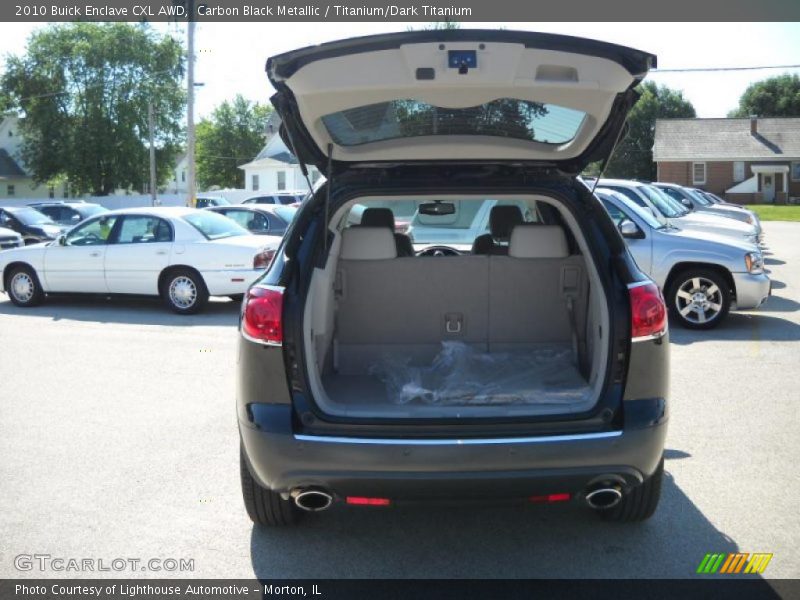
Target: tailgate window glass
(505, 118)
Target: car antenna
(607, 160)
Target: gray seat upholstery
(502, 220)
(531, 290)
(410, 305)
(384, 217)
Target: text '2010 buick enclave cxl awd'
(531, 367)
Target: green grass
(770, 212)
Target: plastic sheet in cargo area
(461, 375)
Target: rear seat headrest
(377, 217)
(538, 241)
(368, 243)
(503, 219)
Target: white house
(15, 182)
(275, 168)
(177, 184)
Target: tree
(83, 90)
(633, 158)
(774, 97)
(232, 136)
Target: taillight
(263, 258)
(262, 315)
(648, 312)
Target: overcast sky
(231, 56)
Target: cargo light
(648, 311)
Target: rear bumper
(751, 290)
(229, 282)
(444, 469)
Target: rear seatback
(534, 288)
(413, 304)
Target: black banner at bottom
(382, 589)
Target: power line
(712, 69)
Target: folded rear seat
(536, 291)
(404, 305)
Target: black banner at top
(401, 11)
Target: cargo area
(512, 332)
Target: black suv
(531, 365)
(32, 225)
(68, 214)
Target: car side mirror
(686, 203)
(628, 229)
(62, 240)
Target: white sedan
(183, 255)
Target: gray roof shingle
(9, 167)
(726, 139)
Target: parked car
(666, 209)
(206, 201)
(10, 239)
(33, 226)
(183, 255)
(260, 219)
(369, 379)
(68, 214)
(703, 275)
(696, 202)
(279, 198)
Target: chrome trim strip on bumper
(456, 442)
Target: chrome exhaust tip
(604, 497)
(312, 499)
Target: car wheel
(699, 298)
(23, 287)
(640, 503)
(264, 506)
(184, 291)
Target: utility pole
(151, 123)
(191, 187)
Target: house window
(698, 173)
(10, 190)
(183, 176)
(51, 191)
(738, 171)
(10, 133)
(281, 180)
(796, 171)
(254, 180)
(66, 190)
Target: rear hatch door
(458, 95)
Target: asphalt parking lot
(118, 439)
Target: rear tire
(640, 503)
(264, 507)
(23, 287)
(699, 298)
(184, 291)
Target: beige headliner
(585, 83)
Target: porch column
(785, 182)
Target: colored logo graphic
(736, 562)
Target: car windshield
(31, 216)
(286, 213)
(629, 206)
(214, 226)
(469, 219)
(88, 211)
(675, 204)
(663, 203)
(287, 199)
(701, 200)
